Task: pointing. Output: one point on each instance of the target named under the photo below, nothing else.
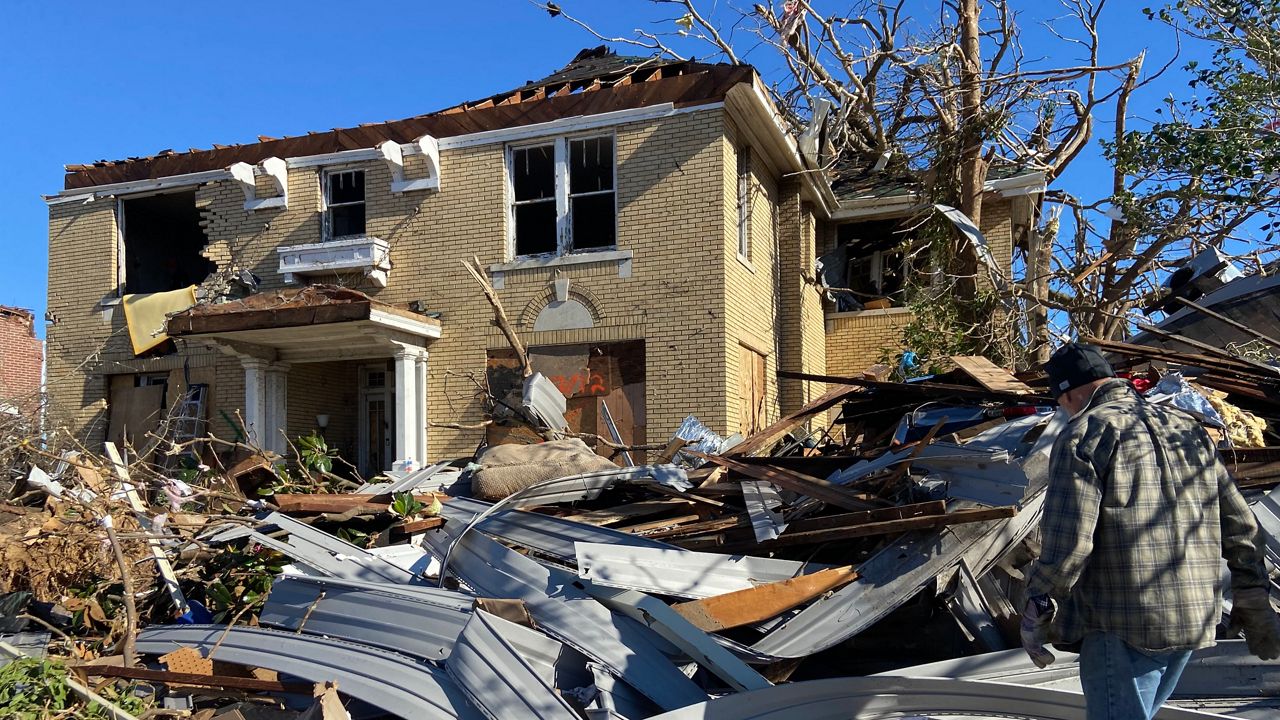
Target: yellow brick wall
(857, 340)
(751, 283)
(670, 216)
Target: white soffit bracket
(246, 174)
(393, 155)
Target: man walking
(1138, 515)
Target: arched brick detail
(529, 315)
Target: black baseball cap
(1076, 364)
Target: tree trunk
(973, 171)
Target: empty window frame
(344, 204)
(160, 243)
(563, 196)
(744, 202)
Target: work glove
(1251, 611)
(1036, 617)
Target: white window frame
(327, 205)
(742, 158)
(564, 223)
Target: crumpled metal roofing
(568, 614)
(679, 572)
(548, 535)
(872, 698)
(389, 681)
(424, 624)
(893, 576)
(490, 670)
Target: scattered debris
(881, 526)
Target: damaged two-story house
(650, 226)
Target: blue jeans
(1123, 683)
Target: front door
(376, 433)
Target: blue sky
(82, 81)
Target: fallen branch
(499, 314)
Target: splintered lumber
(790, 536)
(153, 543)
(340, 503)
(733, 537)
(767, 437)
(1210, 350)
(989, 375)
(193, 679)
(757, 604)
(817, 488)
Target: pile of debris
(882, 526)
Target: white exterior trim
(573, 124)
(498, 271)
(404, 324)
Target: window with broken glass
(744, 203)
(344, 204)
(563, 197)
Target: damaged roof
(596, 81)
(311, 305)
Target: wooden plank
(415, 527)
(610, 516)
(989, 375)
(931, 390)
(153, 543)
(340, 503)
(772, 434)
(706, 526)
(225, 682)
(744, 537)
(757, 604)
(644, 528)
(888, 527)
(818, 488)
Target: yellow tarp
(146, 313)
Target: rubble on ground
(861, 556)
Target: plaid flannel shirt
(1138, 515)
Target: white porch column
(255, 400)
(265, 403)
(277, 392)
(420, 383)
(407, 405)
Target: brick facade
(21, 359)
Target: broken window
(344, 204)
(161, 242)
(744, 203)
(877, 264)
(563, 196)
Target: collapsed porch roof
(313, 324)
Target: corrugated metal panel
(894, 575)
(1267, 510)
(552, 536)
(682, 573)
(1225, 670)
(328, 554)
(406, 481)
(873, 698)
(762, 500)
(568, 614)
(411, 625)
(697, 644)
(501, 683)
(391, 682)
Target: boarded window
(344, 204)
(752, 386)
(590, 376)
